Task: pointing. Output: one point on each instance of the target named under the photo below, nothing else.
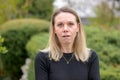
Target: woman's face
(66, 27)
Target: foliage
(21, 23)
(33, 47)
(110, 74)
(41, 9)
(105, 14)
(105, 42)
(36, 43)
(16, 34)
(2, 48)
(31, 73)
(8, 9)
(16, 54)
(16, 9)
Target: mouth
(65, 36)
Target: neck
(67, 49)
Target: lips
(66, 36)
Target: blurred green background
(24, 30)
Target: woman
(67, 57)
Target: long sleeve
(94, 73)
(41, 67)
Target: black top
(46, 69)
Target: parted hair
(80, 49)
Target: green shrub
(110, 74)
(21, 23)
(2, 51)
(16, 37)
(36, 43)
(106, 43)
(31, 73)
(2, 48)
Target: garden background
(24, 30)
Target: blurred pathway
(25, 69)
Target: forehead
(65, 16)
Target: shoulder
(42, 60)
(41, 56)
(93, 55)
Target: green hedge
(110, 74)
(36, 43)
(105, 42)
(21, 23)
(3, 50)
(31, 73)
(17, 33)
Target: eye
(70, 24)
(59, 24)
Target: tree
(12, 9)
(8, 9)
(105, 14)
(41, 9)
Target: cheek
(74, 31)
(57, 32)
(74, 34)
(58, 35)
(56, 29)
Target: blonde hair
(80, 49)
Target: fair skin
(66, 28)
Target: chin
(66, 42)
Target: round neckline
(67, 53)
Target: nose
(65, 28)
